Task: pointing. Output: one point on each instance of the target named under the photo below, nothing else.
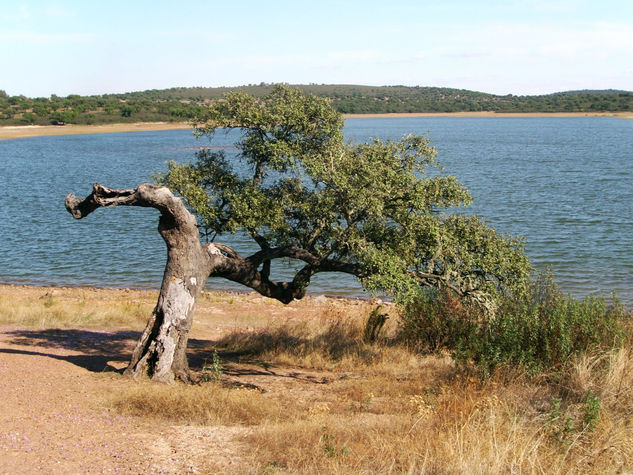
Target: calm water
(564, 183)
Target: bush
(540, 330)
(439, 321)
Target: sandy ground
(55, 383)
(14, 132)
(51, 420)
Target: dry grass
(205, 404)
(70, 308)
(455, 425)
(371, 407)
(333, 340)
(394, 411)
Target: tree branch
(145, 195)
(424, 279)
(246, 271)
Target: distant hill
(182, 104)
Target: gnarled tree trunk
(161, 351)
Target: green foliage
(184, 104)
(213, 372)
(559, 425)
(540, 329)
(328, 443)
(373, 210)
(591, 412)
(564, 424)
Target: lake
(564, 183)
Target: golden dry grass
(451, 424)
(332, 340)
(368, 407)
(399, 412)
(204, 404)
(46, 307)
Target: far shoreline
(24, 131)
(620, 115)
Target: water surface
(564, 183)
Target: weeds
(212, 372)
(563, 425)
(375, 322)
(591, 412)
(540, 330)
(328, 443)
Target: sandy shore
(14, 132)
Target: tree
(300, 192)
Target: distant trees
(182, 104)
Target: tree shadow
(94, 363)
(101, 350)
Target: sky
(495, 46)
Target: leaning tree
(300, 192)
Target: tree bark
(160, 352)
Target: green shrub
(540, 330)
(439, 321)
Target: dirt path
(55, 417)
(54, 420)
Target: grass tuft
(204, 404)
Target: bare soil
(14, 132)
(55, 384)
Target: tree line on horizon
(183, 104)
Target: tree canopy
(381, 211)
(377, 211)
